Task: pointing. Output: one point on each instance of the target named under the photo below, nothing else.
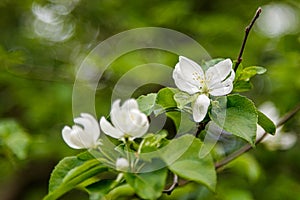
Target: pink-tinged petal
(200, 107)
(68, 137)
(108, 129)
(219, 71)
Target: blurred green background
(42, 43)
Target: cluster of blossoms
(127, 121)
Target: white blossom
(127, 121)
(83, 135)
(216, 81)
(122, 164)
(281, 140)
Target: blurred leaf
(188, 164)
(246, 165)
(147, 103)
(14, 138)
(266, 123)
(237, 116)
(148, 185)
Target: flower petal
(200, 107)
(108, 129)
(219, 71)
(118, 116)
(220, 89)
(137, 123)
(91, 127)
(68, 137)
(130, 104)
(187, 75)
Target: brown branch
(248, 147)
(247, 31)
(173, 186)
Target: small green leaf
(165, 98)
(182, 157)
(14, 138)
(148, 185)
(147, 103)
(266, 123)
(249, 72)
(237, 115)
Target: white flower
(127, 120)
(280, 140)
(84, 135)
(216, 81)
(122, 164)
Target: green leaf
(148, 185)
(182, 121)
(165, 98)
(187, 164)
(249, 72)
(14, 138)
(242, 86)
(266, 123)
(99, 189)
(237, 115)
(182, 99)
(243, 76)
(69, 173)
(147, 103)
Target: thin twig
(173, 186)
(248, 147)
(247, 31)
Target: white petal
(220, 89)
(118, 116)
(108, 129)
(130, 104)
(219, 71)
(183, 83)
(91, 127)
(187, 75)
(137, 123)
(69, 138)
(200, 107)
